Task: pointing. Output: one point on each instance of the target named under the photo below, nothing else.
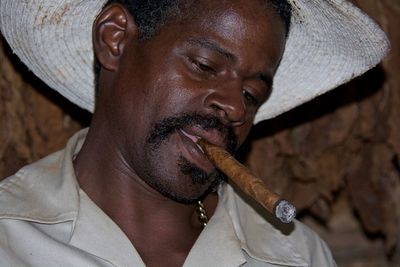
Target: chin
(192, 197)
(189, 189)
(201, 183)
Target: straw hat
(330, 42)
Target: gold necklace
(201, 214)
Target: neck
(114, 187)
(143, 214)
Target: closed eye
(250, 99)
(202, 67)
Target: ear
(113, 28)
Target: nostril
(236, 112)
(228, 105)
(220, 113)
(228, 117)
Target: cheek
(180, 95)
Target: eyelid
(258, 88)
(250, 97)
(259, 95)
(202, 64)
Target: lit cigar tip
(285, 211)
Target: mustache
(164, 128)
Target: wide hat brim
(330, 42)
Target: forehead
(241, 25)
(210, 10)
(226, 15)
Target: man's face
(202, 76)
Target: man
(125, 192)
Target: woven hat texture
(329, 43)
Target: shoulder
(37, 206)
(28, 186)
(42, 192)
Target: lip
(212, 136)
(193, 138)
(193, 152)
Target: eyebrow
(205, 43)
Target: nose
(227, 103)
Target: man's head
(202, 74)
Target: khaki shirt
(47, 220)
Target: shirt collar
(217, 243)
(54, 175)
(99, 235)
(261, 235)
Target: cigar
(248, 182)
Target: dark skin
(218, 63)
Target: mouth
(194, 139)
(193, 151)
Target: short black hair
(150, 15)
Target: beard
(162, 131)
